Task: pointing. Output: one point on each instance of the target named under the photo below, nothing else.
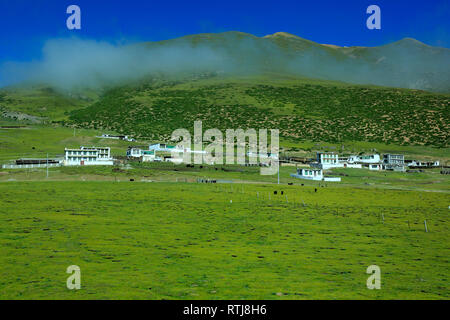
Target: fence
(25, 166)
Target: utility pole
(278, 171)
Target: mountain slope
(77, 64)
(301, 109)
(407, 63)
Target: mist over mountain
(76, 63)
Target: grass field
(430, 180)
(149, 231)
(38, 140)
(135, 240)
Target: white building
(422, 164)
(150, 156)
(394, 159)
(329, 160)
(395, 162)
(116, 137)
(314, 174)
(371, 158)
(134, 152)
(85, 156)
(143, 155)
(374, 166)
(309, 174)
(163, 147)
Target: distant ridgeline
(301, 110)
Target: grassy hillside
(406, 63)
(42, 102)
(301, 109)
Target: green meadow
(150, 231)
(38, 140)
(161, 240)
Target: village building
(134, 152)
(156, 153)
(163, 147)
(150, 156)
(116, 137)
(329, 160)
(371, 158)
(395, 162)
(374, 166)
(308, 174)
(371, 161)
(88, 156)
(326, 160)
(33, 163)
(422, 164)
(313, 174)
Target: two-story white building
(326, 160)
(88, 156)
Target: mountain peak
(410, 41)
(282, 34)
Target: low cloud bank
(79, 63)
(72, 63)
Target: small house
(309, 174)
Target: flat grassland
(161, 240)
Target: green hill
(407, 63)
(302, 110)
(41, 102)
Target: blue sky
(26, 25)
